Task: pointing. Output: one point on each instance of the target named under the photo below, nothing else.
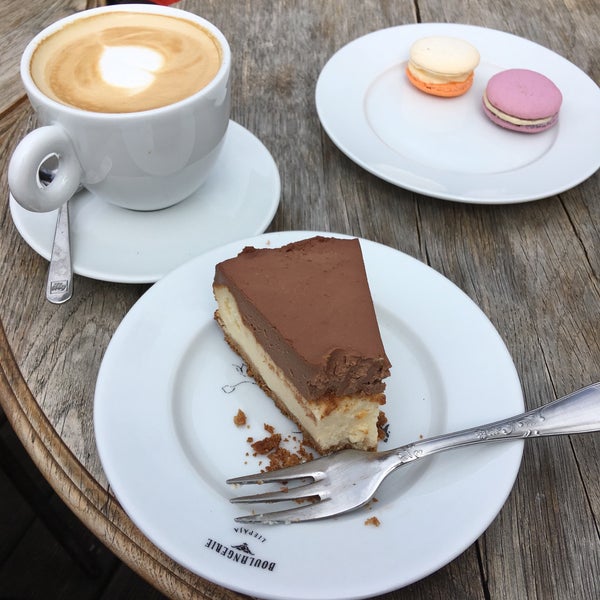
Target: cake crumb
(382, 427)
(240, 418)
(373, 521)
(279, 456)
(268, 444)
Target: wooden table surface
(533, 268)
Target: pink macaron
(522, 100)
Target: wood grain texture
(533, 268)
(20, 22)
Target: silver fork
(346, 480)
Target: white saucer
(446, 147)
(110, 243)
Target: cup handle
(24, 166)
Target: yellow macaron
(442, 66)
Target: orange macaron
(442, 66)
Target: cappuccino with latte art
(133, 102)
(121, 62)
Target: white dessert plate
(110, 243)
(446, 147)
(169, 387)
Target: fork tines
(308, 490)
(297, 472)
(309, 512)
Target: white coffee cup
(144, 160)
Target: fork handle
(578, 412)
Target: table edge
(83, 495)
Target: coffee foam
(130, 67)
(125, 62)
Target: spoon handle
(59, 287)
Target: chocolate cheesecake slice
(302, 318)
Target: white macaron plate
(169, 387)
(110, 243)
(446, 147)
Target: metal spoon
(59, 286)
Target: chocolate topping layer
(309, 305)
